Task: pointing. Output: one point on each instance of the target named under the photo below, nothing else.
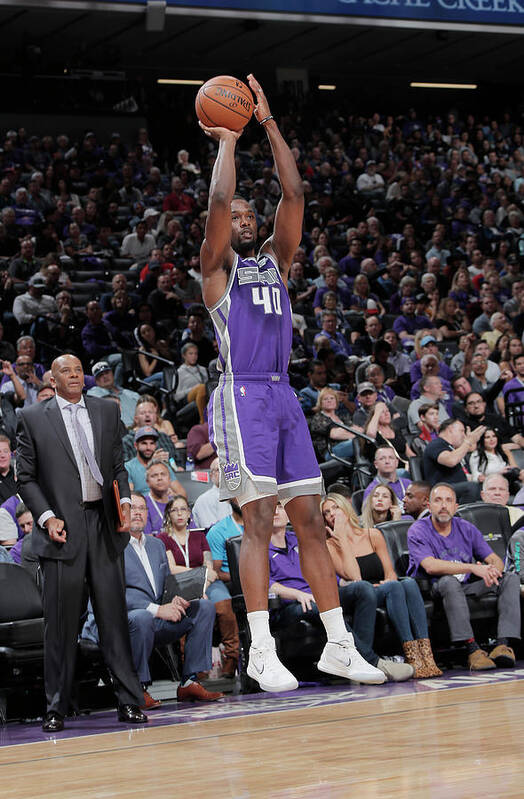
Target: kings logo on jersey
(232, 475)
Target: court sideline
(455, 737)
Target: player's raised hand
(219, 134)
(261, 109)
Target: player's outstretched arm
(216, 251)
(287, 231)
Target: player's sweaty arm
(216, 247)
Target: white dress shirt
(139, 545)
(91, 491)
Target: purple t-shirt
(284, 566)
(516, 386)
(399, 487)
(410, 324)
(464, 544)
(16, 551)
(155, 515)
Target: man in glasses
(476, 414)
(26, 378)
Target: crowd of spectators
(407, 296)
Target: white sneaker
(265, 667)
(396, 672)
(344, 660)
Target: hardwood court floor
(462, 743)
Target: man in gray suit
(153, 622)
(69, 454)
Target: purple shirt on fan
(399, 486)
(410, 324)
(443, 371)
(155, 515)
(516, 386)
(284, 566)
(464, 544)
(343, 296)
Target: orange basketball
(224, 102)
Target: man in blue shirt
(217, 536)
(337, 341)
(146, 445)
(105, 387)
(317, 374)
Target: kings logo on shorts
(232, 475)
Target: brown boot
(430, 668)
(227, 624)
(414, 658)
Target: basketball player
(255, 419)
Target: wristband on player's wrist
(266, 119)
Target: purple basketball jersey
(255, 420)
(253, 319)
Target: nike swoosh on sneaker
(343, 659)
(260, 670)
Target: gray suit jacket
(48, 477)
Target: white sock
(333, 621)
(259, 625)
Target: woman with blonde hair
(461, 289)
(361, 554)
(324, 429)
(450, 320)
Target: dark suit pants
(148, 631)
(63, 597)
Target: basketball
(224, 102)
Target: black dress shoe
(131, 714)
(53, 722)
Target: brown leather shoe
(479, 661)
(229, 668)
(503, 656)
(149, 702)
(194, 692)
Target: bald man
(69, 454)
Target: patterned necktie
(82, 440)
